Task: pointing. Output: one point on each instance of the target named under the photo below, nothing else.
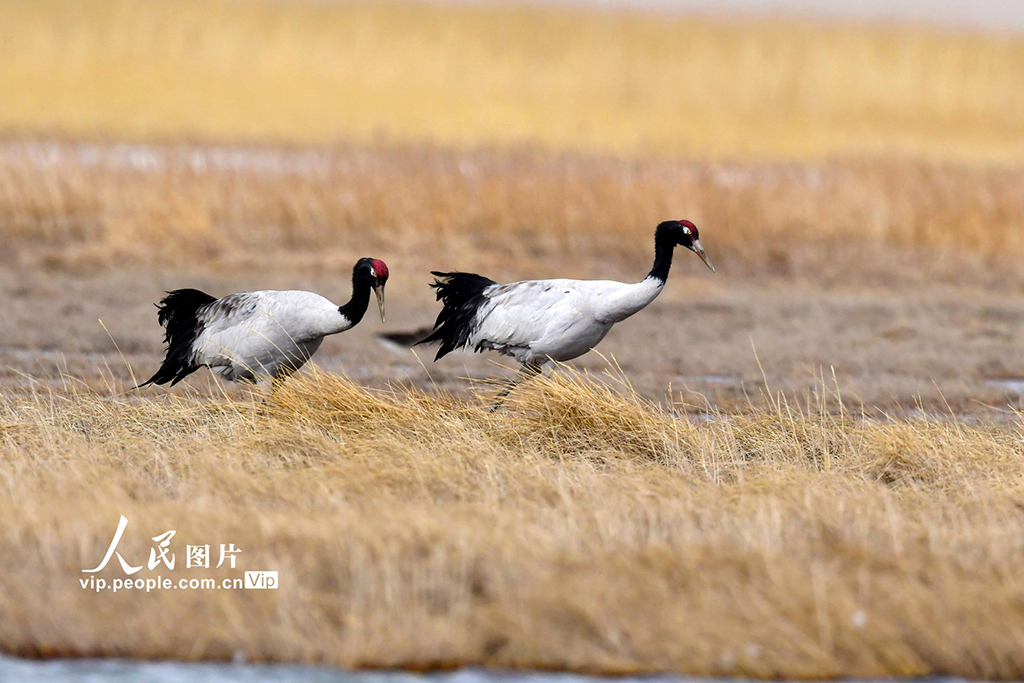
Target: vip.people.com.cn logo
(196, 556)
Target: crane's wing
(256, 325)
(177, 313)
(521, 314)
(515, 318)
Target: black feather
(178, 314)
(460, 295)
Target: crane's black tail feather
(460, 295)
(178, 314)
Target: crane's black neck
(664, 246)
(356, 306)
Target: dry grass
(315, 72)
(105, 204)
(585, 528)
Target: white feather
(540, 320)
(264, 332)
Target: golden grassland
(873, 223)
(185, 204)
(612, 81)
(583, 528)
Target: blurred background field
(625, 82)
(859, 185)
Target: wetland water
(15, 670)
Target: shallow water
(1013, 385)
(129, 671)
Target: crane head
(375, 273)
(684, 233)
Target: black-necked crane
(537, 321)
(242, 336)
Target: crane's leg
(527, 372)
(280, 374)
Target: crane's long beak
(379, 291)
(698, 249)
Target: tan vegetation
(585, 528)
(173, 204)
(859, 188)
(636, 83)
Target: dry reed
(583, 528)
(179, 204)
(569, 78)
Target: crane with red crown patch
(246, 335)
(539, 321)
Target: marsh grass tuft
(583, 527)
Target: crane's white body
(267, 332)
(537, 321)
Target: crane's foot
(527, 372)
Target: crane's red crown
(687, 224)
(380, 269)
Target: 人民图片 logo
(197, 556)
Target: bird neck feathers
(354, 310)
(664, 246)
